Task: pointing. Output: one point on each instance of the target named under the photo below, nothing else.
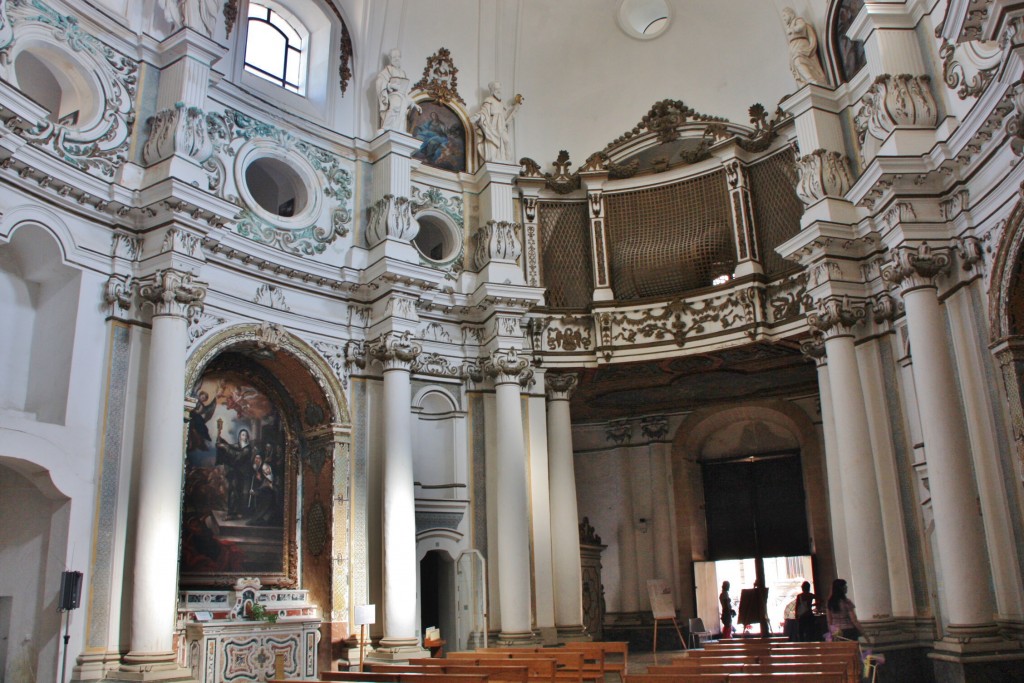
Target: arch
(275, 339)
(845, 57)
(694, 434)
(1006, 289)
(39, 217)
(440, 150)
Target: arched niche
(1006, 322)
(39, 296)
(438, 458)
(33, 552)
(846, 56)
(746, 430)
(447, 139)
(270, 375)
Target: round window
(436, 239)
(276, 186)
(644, 19)
(59, 84)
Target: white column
(816, 350)
(396, 353)
(869, 573)
(505, 367)
(565, 539)
(981, 427)
(173, 296)
(959, 531)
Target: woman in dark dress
(727, 611)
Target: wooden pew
(376, 677)
(503, 673)
(540, 669)
(588, 663)
(814, 677)
(611, 651)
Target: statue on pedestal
(393, 94)
(803, 50)
(492, 122)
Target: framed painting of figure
(442, 136)
(238, 499)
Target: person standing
(727, 611)
(842, 616)
(805, 614)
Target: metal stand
(67, 637)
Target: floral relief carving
(441, 78)
(981, 58)
(496, 241)
(178, 130)
(391, 218)
(681, 318)
(823, 174)
(896, 101)
(271, 296)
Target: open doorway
(782, 578)
(757, 535)
(437, 594)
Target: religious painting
(235, 508)
(441, 134)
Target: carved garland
(441, 78)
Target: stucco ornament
(494, 142)
(803, 49)
(393, 94)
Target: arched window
(848, 54)
(276, 48)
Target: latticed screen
(777, 209)
(565, 253)
(670, 239)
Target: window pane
(286, 28)
(265, 48)
(258, 10)
(294, 62)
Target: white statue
(393, 98)
(492, 121)
(196, 14)
(803, 50)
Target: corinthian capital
(173, 293)
(496, 241)
(391, 217)
(823, 174)
(835, 317)
(506, 366)
(916, 268)
(394, 350)
(560, 385)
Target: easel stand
(362, 644)
(678, 632)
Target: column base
(151, 666)
(517, 639)
(976, 653)
(94, 666)
(397, 650)
(573, 634)
(548, 635)
(895, 633)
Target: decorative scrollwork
(441, 78)
(102, 147)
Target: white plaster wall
(31, 560)
(601, 497)
(584, 80)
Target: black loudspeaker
(70, 591)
